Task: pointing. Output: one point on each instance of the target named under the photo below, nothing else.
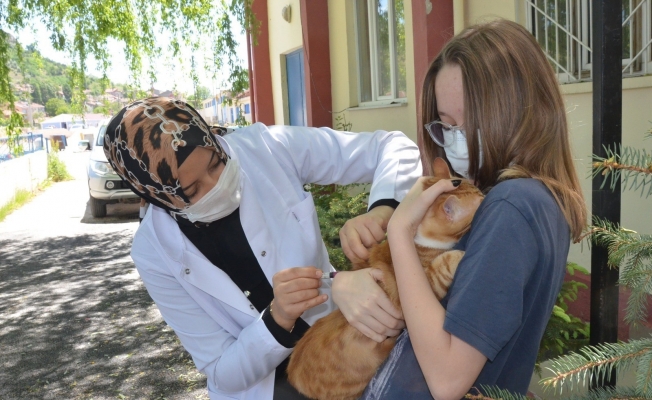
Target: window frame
(376, 99)
(579, 39)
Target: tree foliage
(56, 106)
(564, 332)
(631, 252)
(145, 28)
(201, 93)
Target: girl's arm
(449, 364)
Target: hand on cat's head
(420, 198)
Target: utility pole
(607, 131)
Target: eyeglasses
(442, 133)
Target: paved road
(75, 320)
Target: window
(381, 50)
(247, 109)
(563, 29)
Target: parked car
(83, 145)
(104, 185)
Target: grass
(57, 172)
(21, 197)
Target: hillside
(47, 78)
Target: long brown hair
(512, 99)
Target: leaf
(559, 312)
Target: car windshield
(100, 136)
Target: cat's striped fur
(334, 360)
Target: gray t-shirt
(502, 294)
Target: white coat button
(247, 293)
(187, 271)
(251, 306)
(264, 253)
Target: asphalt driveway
(75, 320)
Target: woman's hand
(413, 207)
(295, 291)
(365, 305)
(360, 233)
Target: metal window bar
(640, 43)
(572, 63)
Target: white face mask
(458, 152)
(221, 200)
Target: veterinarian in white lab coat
(231, 221)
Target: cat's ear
(451, 207)
(440, 169)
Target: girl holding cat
(231, 251)
(492, 108)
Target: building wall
(284, 37)
(637, 108)
(471, 12)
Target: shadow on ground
(115, 213)
(77, 323)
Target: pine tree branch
(596, 360)
(618, 393)
(629, 163)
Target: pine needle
(595, 362)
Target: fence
(27, 144)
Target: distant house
(22, 107)
(167, 93)
(65, 121)
(115, 92)
(217, 111)
(228, 114)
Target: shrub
(57, 171)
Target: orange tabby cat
(334, 360)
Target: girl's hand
(360, 233)
(365, 305)
(295, 291)
(413, 207)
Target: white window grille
(563, 29)
(380, 28)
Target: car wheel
(98, 208)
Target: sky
(168, 79)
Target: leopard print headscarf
(148, 140)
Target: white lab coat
(215, 322)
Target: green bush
(57, 171)
(565, 332)
(335, 205)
